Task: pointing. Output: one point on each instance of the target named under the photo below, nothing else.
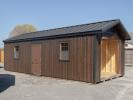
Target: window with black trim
(64, 51)
(16, 52)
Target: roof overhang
(88, 33)
(103, 27)
(120, 30)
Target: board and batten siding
(78, 67)
(120, 58)
(18, 65)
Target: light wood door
(36, 59)
(109, 53)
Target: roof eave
(55, 36)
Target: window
(16, 52)
(64, 51)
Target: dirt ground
(18, 86)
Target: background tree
(21, 29)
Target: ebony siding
(79, 67)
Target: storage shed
(88, 52)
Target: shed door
(36, 59)
(109, 55)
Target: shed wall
(18, 65)
(79, 67)
(120, 69)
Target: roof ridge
(77, 25)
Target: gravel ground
(18, 86)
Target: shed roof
(97, 27)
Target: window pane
(64, 51)
(64, 48)
(16, 52)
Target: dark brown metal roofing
(71, 30)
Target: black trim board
(96, 59)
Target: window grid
(64, 51)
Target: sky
(47, 14)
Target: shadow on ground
(6, 80)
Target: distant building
(128, 54)
(1, 55)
